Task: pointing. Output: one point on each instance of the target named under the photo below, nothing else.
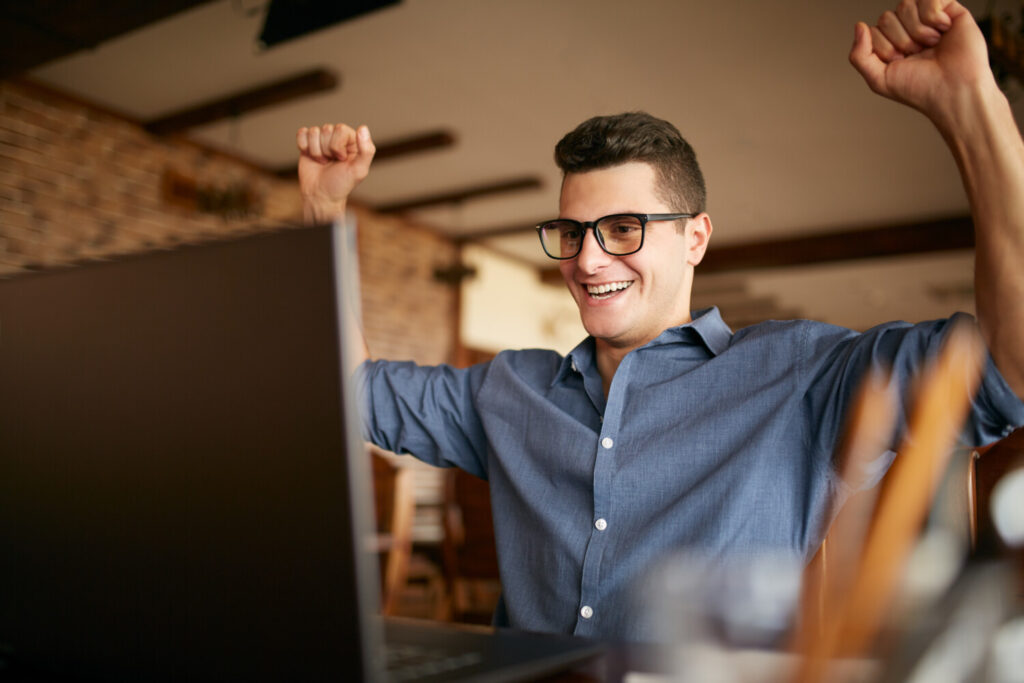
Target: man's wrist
(318, 212)
(979, 123)
(962, 107)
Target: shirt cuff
(999, 399)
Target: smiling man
(664, 429)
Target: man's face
(646, 292)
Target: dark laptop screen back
(173, 491)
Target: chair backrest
(469, 527)
(469, 553)
(988, 466)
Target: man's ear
(699, 231)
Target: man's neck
(610, 355)
(608, 359)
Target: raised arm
(931, 55)
(333, 159)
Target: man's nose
(591, 257)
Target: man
(661, 431)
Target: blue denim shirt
(708, 440)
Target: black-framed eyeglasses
(619, 234)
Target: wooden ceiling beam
(903, 239)
(502, 231)
(464, 194)
(294, 87)
(862, 243)
(413, 144)
(393, 149)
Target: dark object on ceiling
(33, 33)
(287, 19)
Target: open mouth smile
(607, 290)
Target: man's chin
(603, 332)
(609, 323)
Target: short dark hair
(605, 141)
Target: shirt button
(607, 442)
(586, 612)
(601, 524)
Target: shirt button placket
(591, 591)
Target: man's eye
(571, 234)
(623, 228)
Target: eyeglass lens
(618, 235)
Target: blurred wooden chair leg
(395, 503)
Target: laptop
(183, 492)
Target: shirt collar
(576, 361)
(707, 324)
(709, 327)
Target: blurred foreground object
(1008, 508)
(719, 618)
(853, 613)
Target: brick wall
(79, 183)
(407, 313)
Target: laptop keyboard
(411, 662)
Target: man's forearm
(983, 136)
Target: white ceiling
(789, 137)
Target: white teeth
(598, 290)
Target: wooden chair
(470, 556)
(987, 467)
(395, 505)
